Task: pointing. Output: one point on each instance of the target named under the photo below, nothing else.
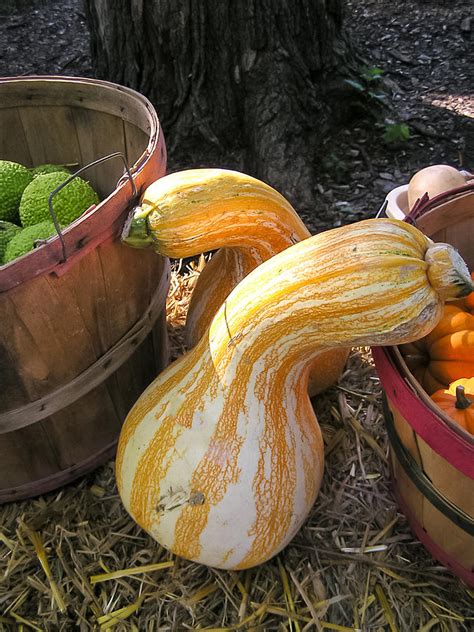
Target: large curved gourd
(221, 458)
(197, 210)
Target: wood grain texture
(449, 218)
(450, 538)
(106, 365)
(45, 128)
(24, 94)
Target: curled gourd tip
(447, 272)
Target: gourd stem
(135, 231)
(448, 272)
(462, 402)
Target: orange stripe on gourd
(151, 397)
(300, 450)
(216, 281)
(276, 491)
(225, 207)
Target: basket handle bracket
(116, 154)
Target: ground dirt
(426, 57)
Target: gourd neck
(365, 284)
(196, 211)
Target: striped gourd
(221, 458)
(190, 212)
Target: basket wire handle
(382, 210)
(116, 154)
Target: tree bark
(248, 84)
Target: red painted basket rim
(444, 436)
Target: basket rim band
(421, 480)
(62, 477)
(450, 445)
(436, 551)
(95, 374)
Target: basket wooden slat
(81, 337)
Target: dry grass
(74, 560)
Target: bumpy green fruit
(7, 232)
(24, 241)
(13, 180)
(48, 167)
(70, 202)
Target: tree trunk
(251, 84)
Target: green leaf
(372, 74)
(396, 132)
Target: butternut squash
(221, 458)
(433, 180)
(198, 210)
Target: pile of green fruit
(24, 205)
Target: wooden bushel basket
(83, 325)
(432, 458)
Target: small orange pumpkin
(470, 302)
(458, 402)
(446, 354)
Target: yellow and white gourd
(221, 458)
(198, 210)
